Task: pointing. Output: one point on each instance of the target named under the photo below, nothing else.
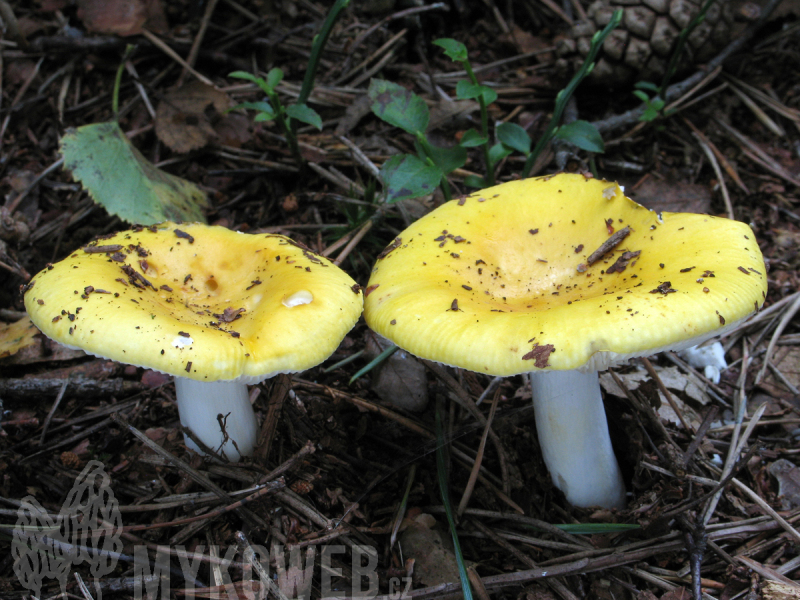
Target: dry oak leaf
(16, 336)
(186, 116)
(122, 17)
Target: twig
(267, 489)
(573, 540)
(473, 476)
(398, 15)
(767, 509)
(607, 246)
(759, 114)
(466, 402)
(558, 586)
(66, 442)
(319, 540)
(308, 448)
(785, 319)
(695, 536)
(250, 556)
(248, 516)
(701, 432)
(384, 49)
(360, 157)
(353, 242)
(790, 113)
(765, 571)
(158, 43)
(756, 154)
(198, 39)
(20, 93)
(53, 409)
(82, 587)
(734, 451)
(729, 169)
(667, 394)
(280, 391)
(715, 165)
(131, 69)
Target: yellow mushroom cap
(200, 302)
(500, 282)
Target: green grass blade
(374, 362)
(442, 472)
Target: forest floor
(345, 464)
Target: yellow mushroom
(561, 277)
(205, 304)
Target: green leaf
(649, 114)
(646, 85)
(466, 90)
(498, 152)
(447, 159)
(582, 134)
(305, 114)
(515, 137)
(406, 176)
(475, 181)
(454, 49)
(373, 363)
(274, 77)
(124, 182)
(472, 138)
(263, 116)
(262, 107)
(398, 106)
(252, 78)
(641, 95)
(244, 75)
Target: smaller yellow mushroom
(215, 308)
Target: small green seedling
(580, 133)
(406, 175)
(288, 117)
(654, 105)
(272, 109)
(472, 89)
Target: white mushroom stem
(573, 436)
(200, 402)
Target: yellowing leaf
(124, 182)
(16, 336)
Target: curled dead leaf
(122, 17)
(185, 118)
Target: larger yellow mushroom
(215, 308)
(561, 277)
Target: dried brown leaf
(115, 17)
(788, 477)
(186, 116)
(673, 196)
